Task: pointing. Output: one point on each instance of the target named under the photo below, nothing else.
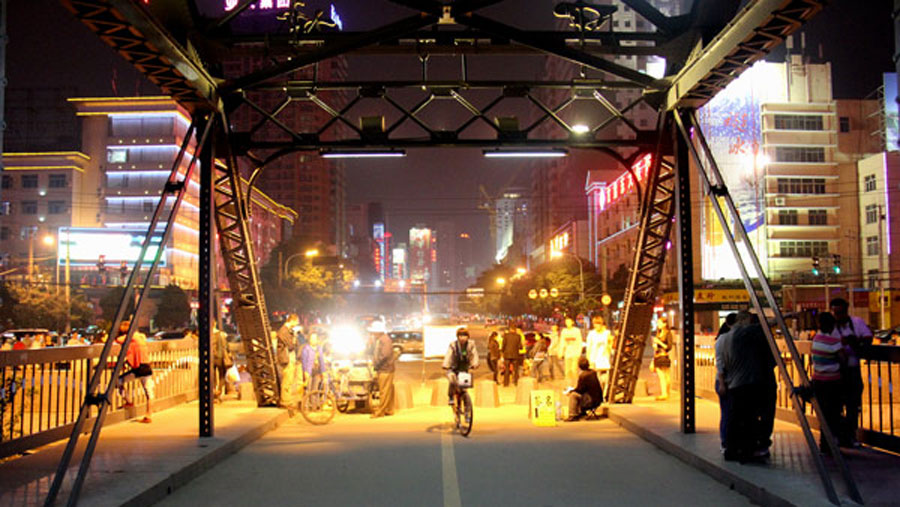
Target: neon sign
(336, 18)
(264, 5)
(625, 182)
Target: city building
(40, 119)
(313, 186)
(879, 226)
(99, 201)
(510, 221)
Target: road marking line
(448, 471)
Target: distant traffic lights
(815, 265)
(836, 263)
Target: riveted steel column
(684, 237)
(205, 293)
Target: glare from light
(524, 153)
(355, 283)
(580, 128)
(378, 283)
(312, 253)
(48, 240)
(555, 254)
(521, 271)
(402, 283)
(501, 280)
(426, 318)
(346, 340)
(364, 154)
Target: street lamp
(501, 281)
(555, 254)
(308, 254)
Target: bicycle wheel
(465, 417)
(318, 407)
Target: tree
(38, 307)
(109, 303)
(173, 309)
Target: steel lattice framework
(183, 53)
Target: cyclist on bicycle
(461, 356)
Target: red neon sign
(625, 182)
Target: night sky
(47, 46)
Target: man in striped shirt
(827, 357)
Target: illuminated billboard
(419, 260)
(732, 124)
(624, 184)
(85, 246)
(891, 128)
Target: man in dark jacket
(383, 361)
(284, 355)
(512, 345)
(588, 394)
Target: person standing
(285, 354)
(494, 354)
(721, 389)
(598, 342)
(383, 361)
(573, 345)
(512, 345)
(855, 335)
(827, 357)
(222, 360)
(312, 362)
(137, 359)
(662, 344)
(555, 353)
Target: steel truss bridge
(184, 54)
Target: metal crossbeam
(749, 37)
(657, 211)
(136, 35)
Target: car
(168, 335)
(407, 342)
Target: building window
(7, 181)
(29, 181)
(871, 213)
(818, 217)
(869, 182)
(117, 156)
(872, 245)
(803, 248)
(5, 208)
(798, 122)
(801, 185)
(57, 181)
(787, 217)
(799, 154)
(844, 124)
(873, 278)
(56, 207)
(149, 206)
(29, 207)
(4, 233)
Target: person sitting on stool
(588, 394)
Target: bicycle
(319, 405)
(462, 403)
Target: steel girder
(236, 247)
(657, 212)
(756, 30)
(135, 34)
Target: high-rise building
(511, 220)
(40, 120)
(420, 254)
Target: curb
(755, 493)
(189, 472)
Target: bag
(662, 362)
(232, 375)
(464, 379)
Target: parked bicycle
(355, 387)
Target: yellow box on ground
(543, 407)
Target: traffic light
(836, 264)
(815, 265)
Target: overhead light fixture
(536, 153)
(580, 128)
(363, 153)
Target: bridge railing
(41, 390)
(880, 416)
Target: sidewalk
(140, 471)
(790, 477)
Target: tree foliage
(40, 307)
(173, 308)
(109, 303)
